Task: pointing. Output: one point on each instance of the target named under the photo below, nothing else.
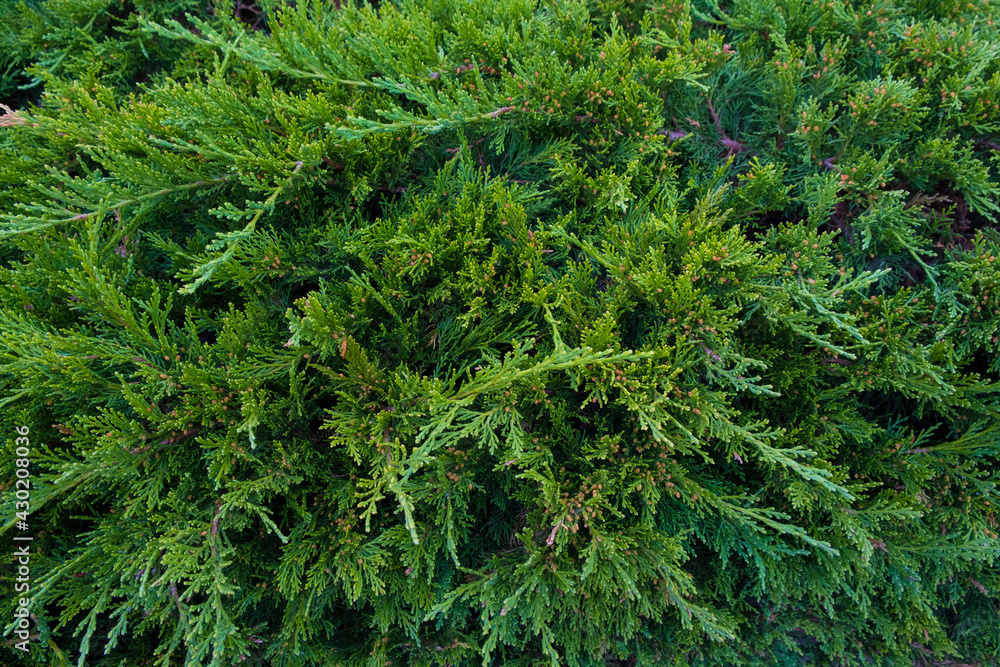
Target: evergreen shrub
(461, 332)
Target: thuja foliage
(461, 332)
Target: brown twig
(731, 145)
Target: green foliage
(460, 332)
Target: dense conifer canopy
(502, 332)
